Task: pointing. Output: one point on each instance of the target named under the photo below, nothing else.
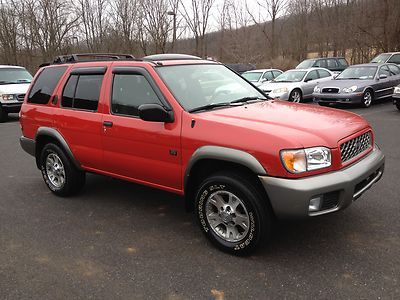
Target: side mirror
(307, 79)
(155, 113)
(383, 76)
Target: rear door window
(384, 70)
(394, 70)
(323, 73)
(342, 62)
(82, 92)
(268, 75)
(276, 73)
(45, 84)
(331, 63)
(311, 76)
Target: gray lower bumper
(28, 145)
(338, 98)
(290, 198)
(11, 107)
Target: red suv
(198, 129)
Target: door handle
(107, 123)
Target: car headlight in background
(397, 90)
(309, 159)
(351, 89)
(280, 90)
(317, 89)
(7, 97)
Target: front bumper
(338, 98)
(290, 198)
(280, 96)
(11, 106)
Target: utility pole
(172, 13)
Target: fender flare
(54, 134)
(225, 154)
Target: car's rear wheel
(232, 213)
(296, 96)
(59, 174)
(367, 98)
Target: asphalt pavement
(118, 240)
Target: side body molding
(225, 154)
(53, 133)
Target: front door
(143, 151)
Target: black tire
(296, 96)
(3, 115)
(74, 179)
(367, 99)
(323, 104)
(251, 202)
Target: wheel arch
(211, 159)
(47, 135)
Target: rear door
(143, 151)
(77, 118)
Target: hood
(346, 83)
(18, 88)
(298, 125)
(272, 85)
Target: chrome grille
(356, 146)
(330, 90)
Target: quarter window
(276, 73)
(45, 84)
(82, 92)
(323, 73)
(129, 92)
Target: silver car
(258, 77)
(296, 85)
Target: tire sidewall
(221, 183)
(372, 98)
(291, 95)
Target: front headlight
(6, 97)
(280, 90)
(317, 89)
(397, 90)
(309, 159)
(351, 89)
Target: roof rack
(170, 56)
(85, 57)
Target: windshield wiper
(246, 99)
(24, 80)
(210, 106)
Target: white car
(258, 77)
(296, 85)
(14, 82)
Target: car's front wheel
(367, 99)
(232, 213)
(296, 96)
(59, 174)
(3, 115)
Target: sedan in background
(396, 97)
(296, 85)
(258, 77)
(359, 84)
(333, 64)
(390, 57)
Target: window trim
(89, 71)
(73, 99)
(141, 71)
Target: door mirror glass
(383, 76)
(155, 113)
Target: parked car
(241, 68)
(14, 82)
(396, 97)
(391, 57)
(333, 64)
(258, 77)
(241, 160)
(296, 85)
(363, 84)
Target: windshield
(381, 58)
(14, 75)
(291, 76)
(358, 73)
(252, 76)
(187, 84)
(308, 63)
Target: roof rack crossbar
(82, 57)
